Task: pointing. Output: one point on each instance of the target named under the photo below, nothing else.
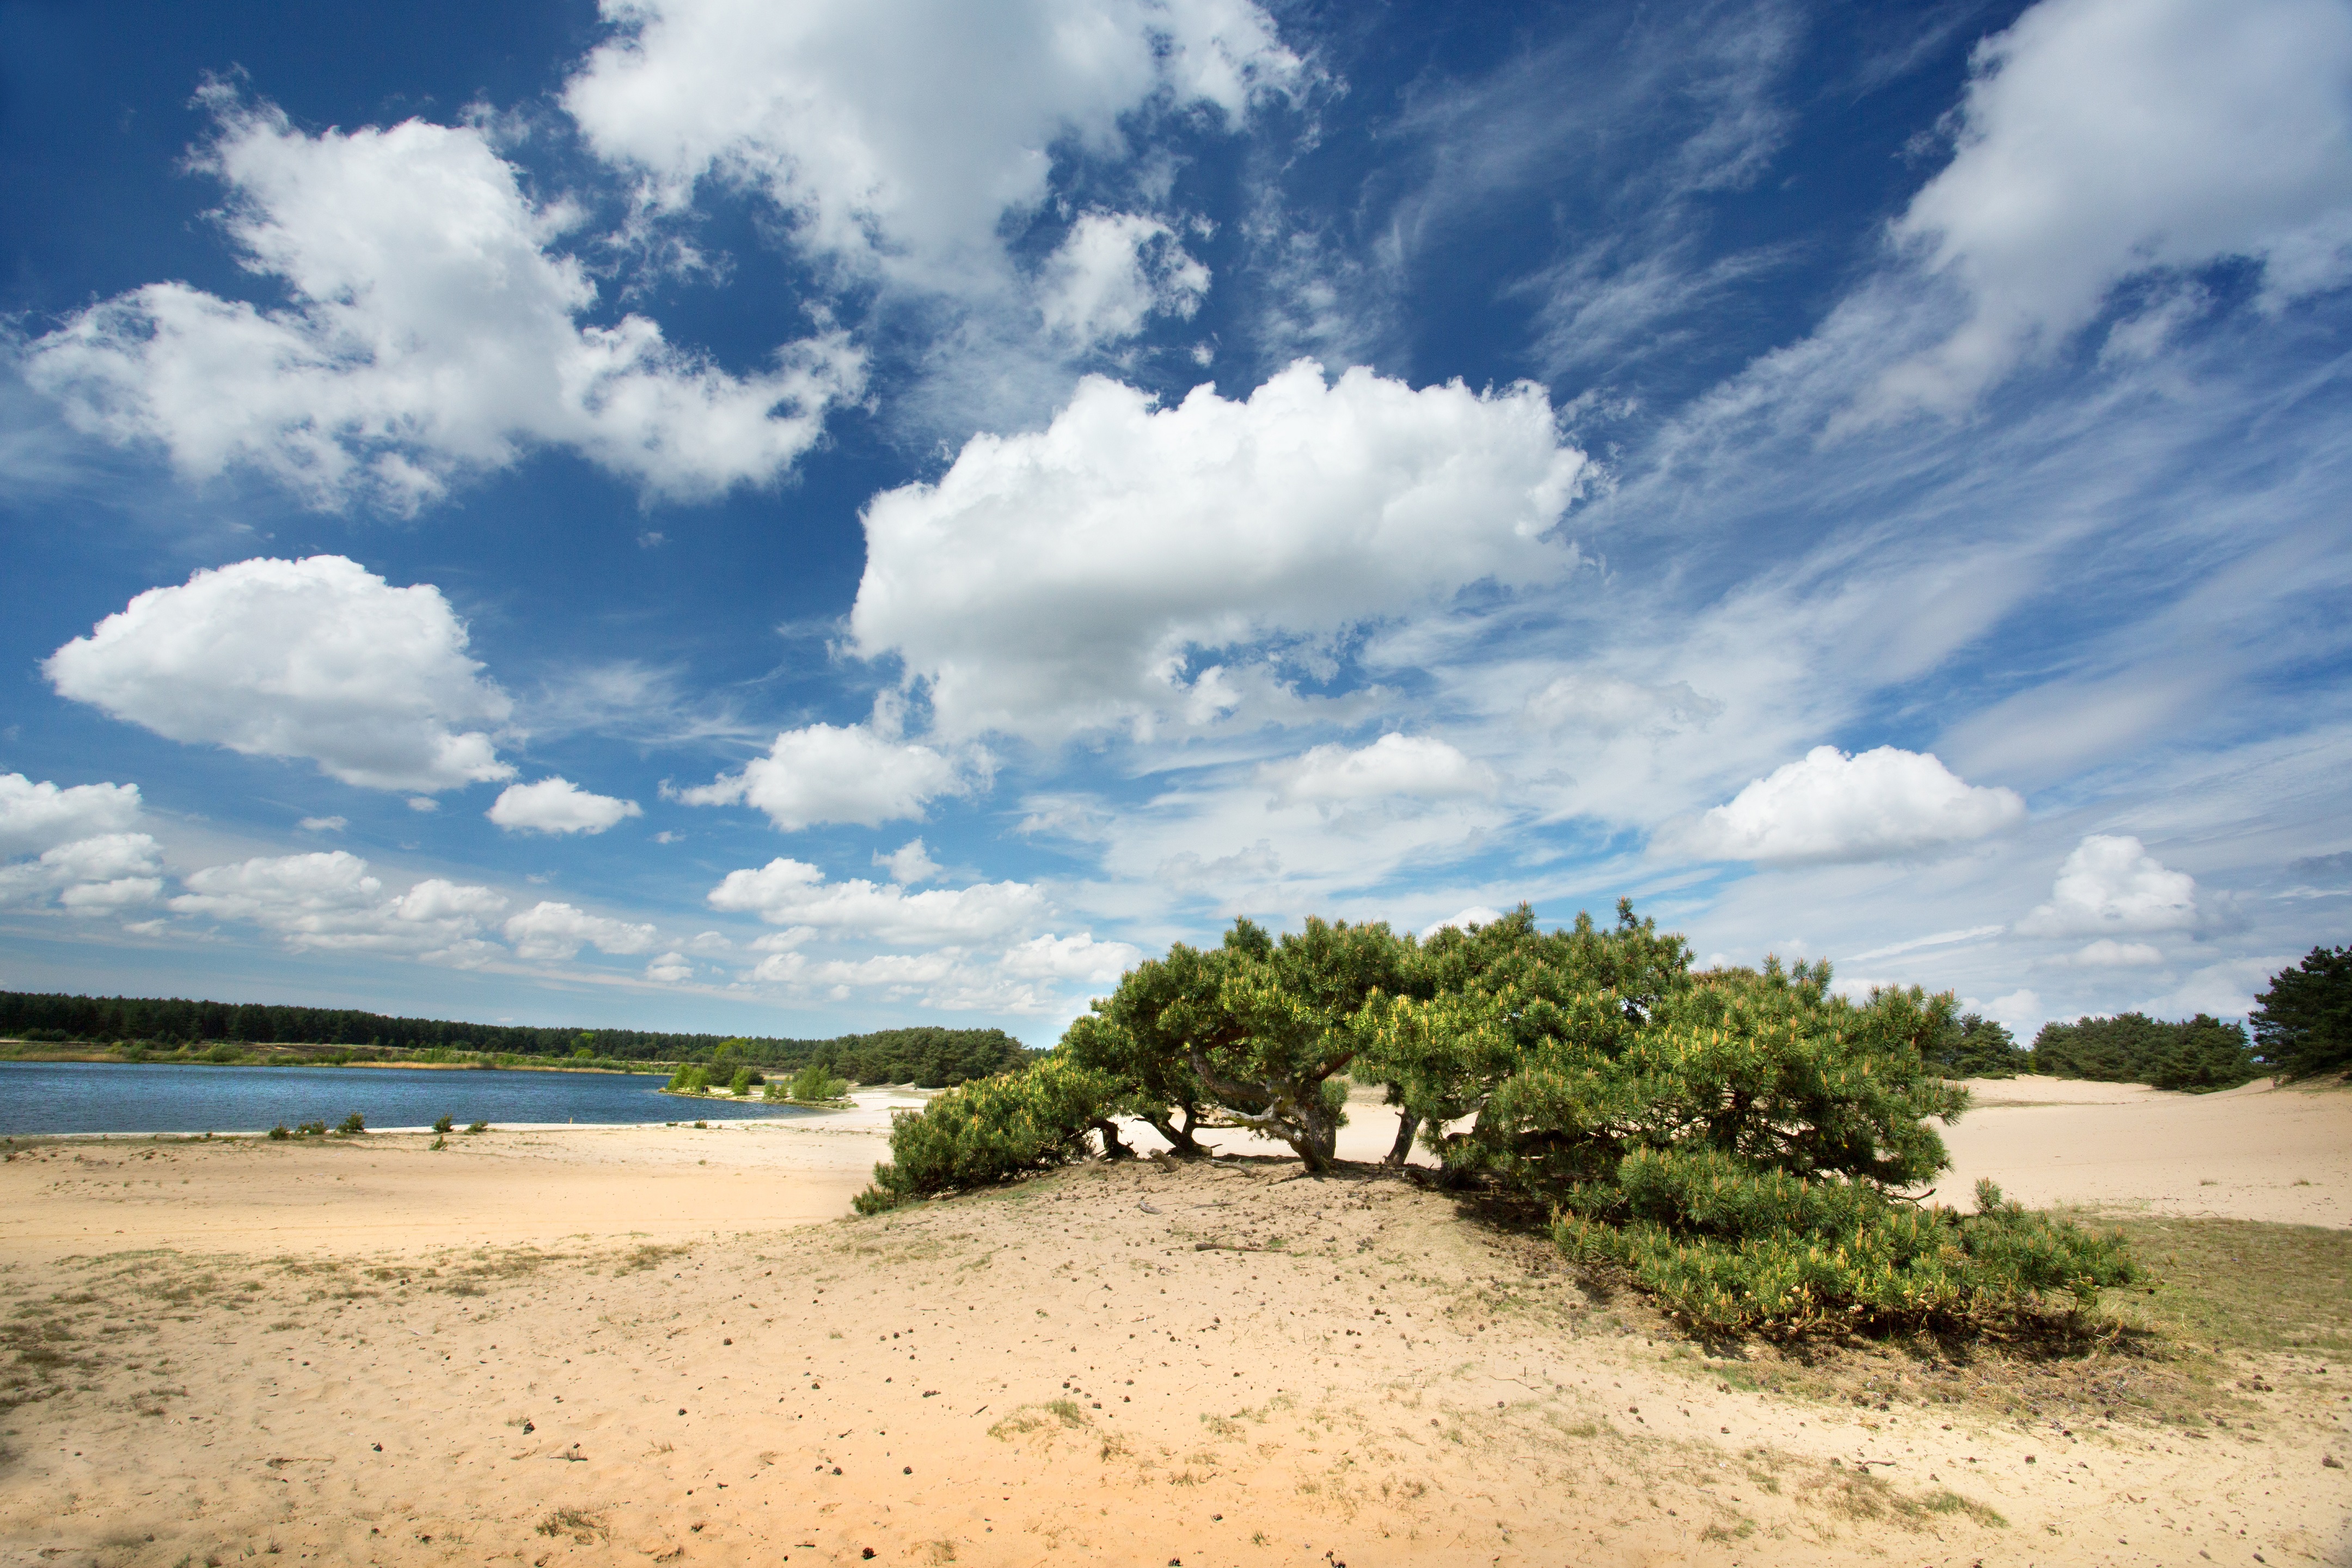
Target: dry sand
(2256, 1152)
(534, 1184)
(602, 1346)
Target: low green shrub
(443, 1123)
(1727, 1248)
(813, 1084)
(311, 1130)
(1742, 1141)
(278, 1134)
(690, 1079)
(478, 1127)
(993, 1130)
(352, 1125)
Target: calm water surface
(124, 1097)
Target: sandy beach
(633, 1345)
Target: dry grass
(587, 1529)
(639, 1259)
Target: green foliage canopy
(813, 1084)
(2304, 1020)
(1973, 1045)
(990, 1130)
(2200, 1055)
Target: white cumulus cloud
(1112, 272)
(670, 968)
(826, 772)
(908, 864)
(2111, 884)
(34, 817)
(1080, 957)
(898, 133)
(317, 658)
(436, 899)
(791, 893)
(549, 931)
(948, 980)
(2225, 990)
(330, 900)
(430, 330)
(1476, 915)
(2108, 954)
(895, 969)
(1830, 807)
(2100, 138)
(99, 875)
(556, 804)
(2020, 1010)
(1417, 766)
(1060, 580)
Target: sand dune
(605, 1345)
(2283, 1155)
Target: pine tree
(2304, 1020)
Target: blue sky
(802, 518)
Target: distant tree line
(2198, 1055)
(2301, 1028)
(934, 1058)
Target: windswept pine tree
(1751, 1147)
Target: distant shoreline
(359, 1139)
(48, 1051)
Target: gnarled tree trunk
(1407, 1125)
(1180, 1141)
(1112, 1148)
(1312, 1133)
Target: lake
(156, 1097)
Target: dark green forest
(934, 1058)
(2199, 1054)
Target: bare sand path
(633, 1345)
